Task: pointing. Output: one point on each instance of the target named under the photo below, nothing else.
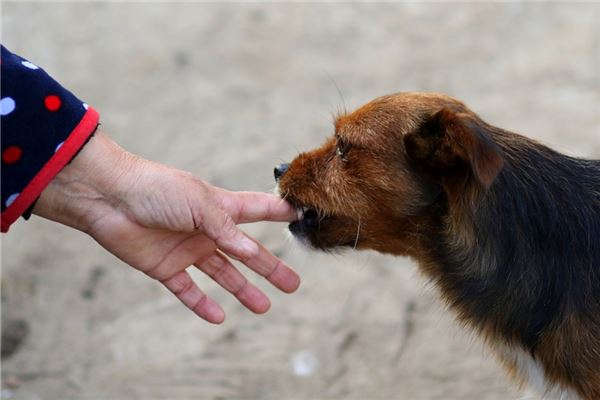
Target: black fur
(537, 252)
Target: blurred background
(227, 91)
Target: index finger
(245, 207)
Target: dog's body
(507, 228)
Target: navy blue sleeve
(43, 126)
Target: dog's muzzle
(308, 218)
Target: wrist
(87, 188)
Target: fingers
(245, 207)
(232, 241)
(274, 270)
(184, 288)
(220, 219)
(220, 269)
(225, 274)
(201, 251)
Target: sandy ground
(227, 91)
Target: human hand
(161, 221)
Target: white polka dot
(85, 106)
(59, 146)
(29, 65)
(11, 199)
(7, 105)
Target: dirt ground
(227, 91)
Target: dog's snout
(280, 170)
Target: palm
(152, 250)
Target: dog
(507, 228)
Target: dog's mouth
(303, 212)
(320, 229)
(307, 216)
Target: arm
(43, 126)
(160, 221)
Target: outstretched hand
(161, 221)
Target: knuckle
(219, 267)
(243, 285)
(199, 303)
(277, 266)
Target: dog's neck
(511, 257)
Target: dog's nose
(280, 170)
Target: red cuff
(57, 162)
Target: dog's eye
(341, 149)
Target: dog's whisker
(357, 235)
(339, 91)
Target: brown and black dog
(508, 229)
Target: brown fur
(423, 176)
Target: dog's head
(369, 185)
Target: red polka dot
(52, 102)
(11, 154)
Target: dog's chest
(532, 374)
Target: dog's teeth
(299, 213)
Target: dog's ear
(449, 142)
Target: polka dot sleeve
(43, 126)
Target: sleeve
(43, 126)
